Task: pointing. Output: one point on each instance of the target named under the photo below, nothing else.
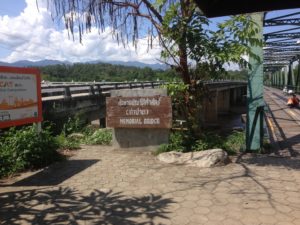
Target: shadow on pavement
(264, 160)
(67, 206)
(56, 174)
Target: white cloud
(34, 36)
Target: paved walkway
(100, 185)
(284, 123)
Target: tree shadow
(67, 206)
(282, 144)
(258, 187)
(265, 160)
(56, 173)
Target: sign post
(20, 96)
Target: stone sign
(139, 112)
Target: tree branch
(153, 10)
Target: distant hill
(26, 63)
(155, 66)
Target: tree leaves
(180, 27)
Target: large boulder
(207, 158)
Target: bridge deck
(284, 123)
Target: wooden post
(39, 127)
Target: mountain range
(47, 62)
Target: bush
(99, 137)
(24, 149)
(89, 130)
(181, 142)
(207, 141)
(176, 143)
(234, 142)
(70, 143)
(73, 125)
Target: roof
(216, 8)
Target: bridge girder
(290, 49)
(281, 44)
(282, 35)
(280, 22)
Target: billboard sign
(20, 96)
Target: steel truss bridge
(282, 50)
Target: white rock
(76, 135)
(207, 158)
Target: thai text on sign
(139, 112)
(20, 96)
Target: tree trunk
(183, 58)
(184, 70)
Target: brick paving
(100, 185)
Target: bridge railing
(295, 89)
(65, 90)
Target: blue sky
(26, 33)
(12, 7)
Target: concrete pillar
(282, 74)
(211, 108)
(293, 76)
(223, 102)
(298, 74)
(286, 71)
(280, 79)
(233, 96)
(290, 76)
(269, 79)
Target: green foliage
(25, 149)
(176, 143)
(236, 36)
(234, 142)
(163, 148)
(65, 142)
(99, 137)
(89, 130)
(182, 142)
(68, 138)
(207, 141)
(186, 33)
(73, 125)
(178, 93)
(103, 72)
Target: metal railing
(295, 89)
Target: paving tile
(130, 187)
